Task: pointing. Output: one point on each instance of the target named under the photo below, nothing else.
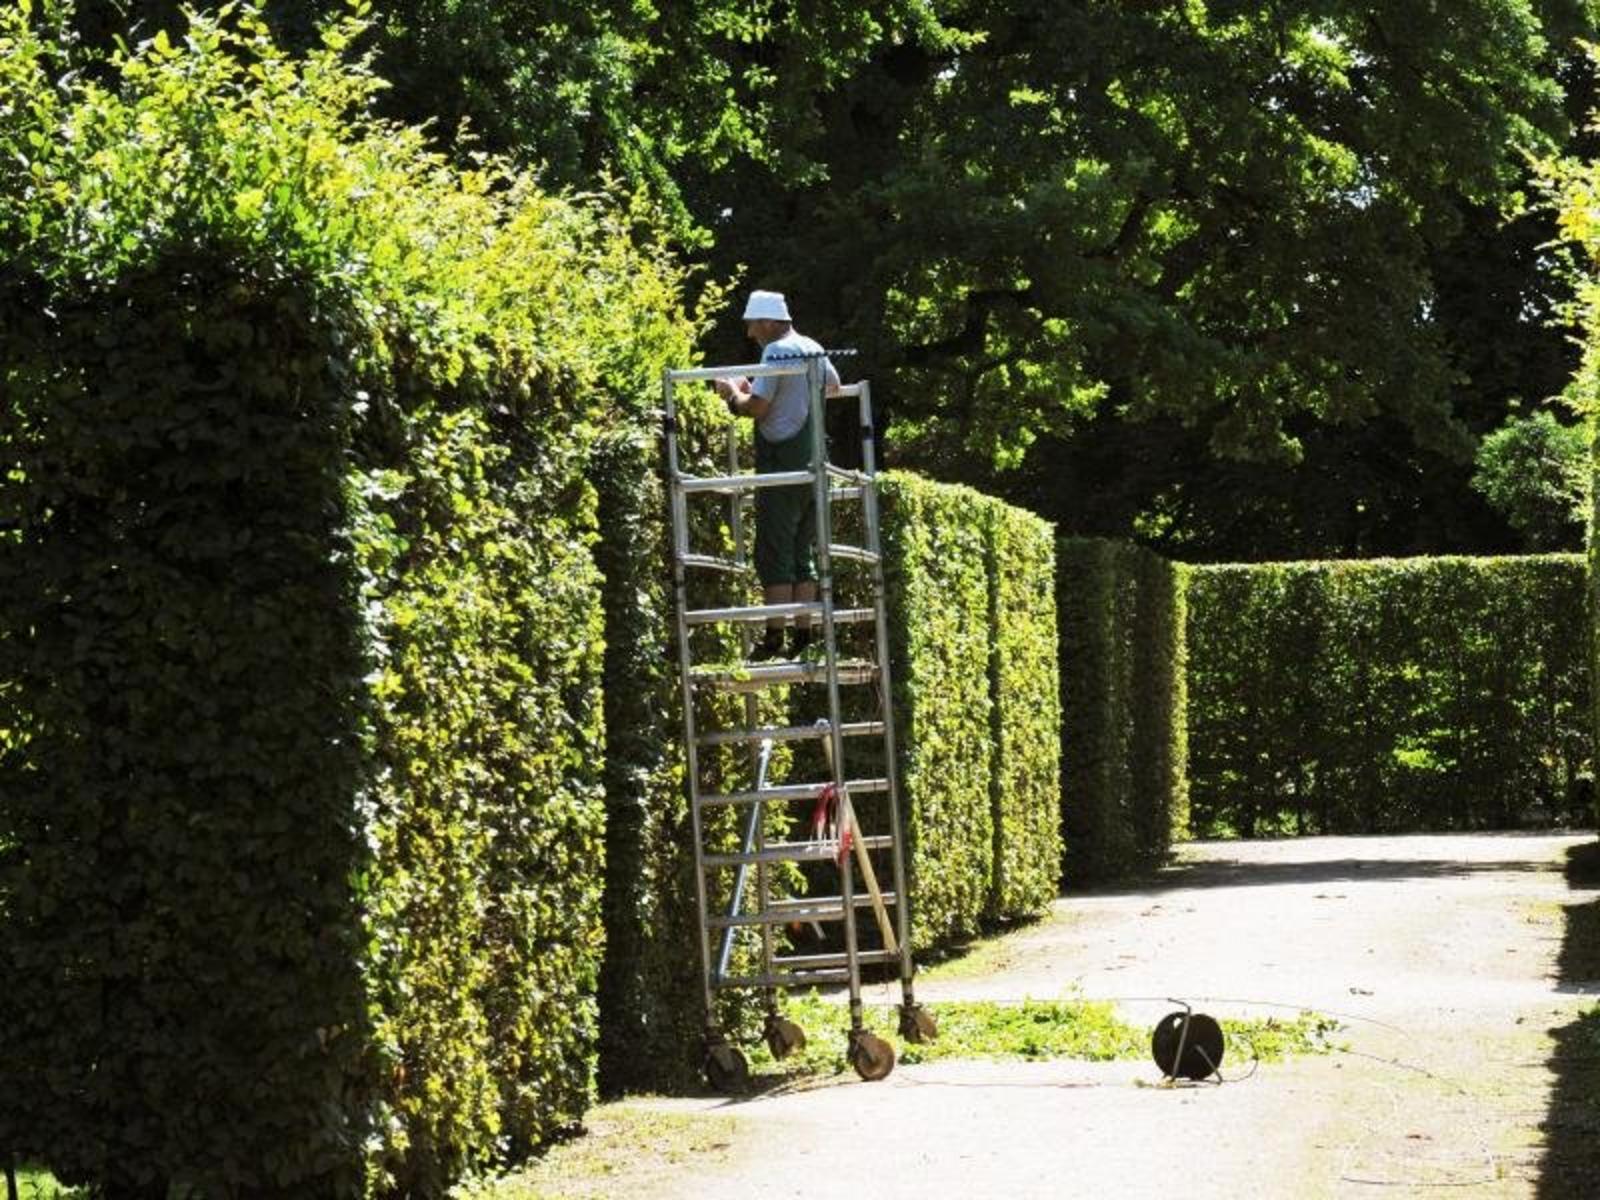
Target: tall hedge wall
(938, 592)
(973, 652)
(651, 1011)
(300, 808)
(1025, 719)
(1383, 695)
(1124, 732)
(1592, 578)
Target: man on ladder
(786, 518)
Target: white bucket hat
(766, 306)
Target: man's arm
(741, 399)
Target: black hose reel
(1188, 1045)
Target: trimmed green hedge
(973, 651)
(1025, 683)
(1387, 695)
(935, 567)
(1124, 735)
(651, 1011)
(178, 1000)
(300, 807)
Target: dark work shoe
(802, 640)
(769, 647)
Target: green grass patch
(1033, 1030)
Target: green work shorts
(786, 517)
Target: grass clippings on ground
(1032, 1030)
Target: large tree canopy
(1124, 245)
(1233, 276)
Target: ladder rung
(754, 614)
(760, 675)
(846, 474)
(714, 563)
(752, 371)
(827, 908)
(791, 852)
(744, 483)
(783, 979)
(861, 898)
(820, 962)
(792, 791)
(788, 733)
(846, 493)
(852, 553)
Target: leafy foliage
(182, 999)
(938, 594)
(1025, 684)
(1382, 696)
(652, 1012)
(300, 634)
(1119, 248)
(973, 650)
(1535, 471)
(1124, 706)
(659, 95)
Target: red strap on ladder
(825, 818)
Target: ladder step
(846, 474)
(790, 852)
(763, 675)
(819, 962)
(792, 791)
(788, 733)
(713, 563)
(852, 553)
(783, 979)
(823, 908)
(744, 483)
(861, 899)
(755, 614)
(752, 371)
(846, 493)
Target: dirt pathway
(1463, 1073)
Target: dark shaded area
(1215, 873)
(1570, 1165)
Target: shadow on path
(1243, 873)
(1569, 1168)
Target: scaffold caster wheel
(1202, 1047)
(783, 1036)
(917, 1024)
(726, 1069)
(871, 1056)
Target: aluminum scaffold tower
(837, 844)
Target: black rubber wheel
(1202, 1048)
(871, 1056)
(917, 1024)
(783, 1036)
(726, 1069)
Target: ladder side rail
(760, 752)
(680, 545)
(735, 509)
(820, 491)
(891, 768)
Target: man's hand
(733, 392)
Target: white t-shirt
(790, 401)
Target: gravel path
(1443, 955)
